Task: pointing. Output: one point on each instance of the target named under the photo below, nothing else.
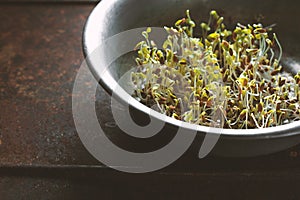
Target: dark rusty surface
(40, 51)
(40, 151)
(101, 184)
(40, 54)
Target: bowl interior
(129, 14)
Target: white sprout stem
(279, 46)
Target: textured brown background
(41, 156)
(40, 52)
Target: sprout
(225, 78)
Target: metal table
(41, 155)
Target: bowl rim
(91, 40)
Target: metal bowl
(111, 17)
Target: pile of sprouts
(229, 79)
